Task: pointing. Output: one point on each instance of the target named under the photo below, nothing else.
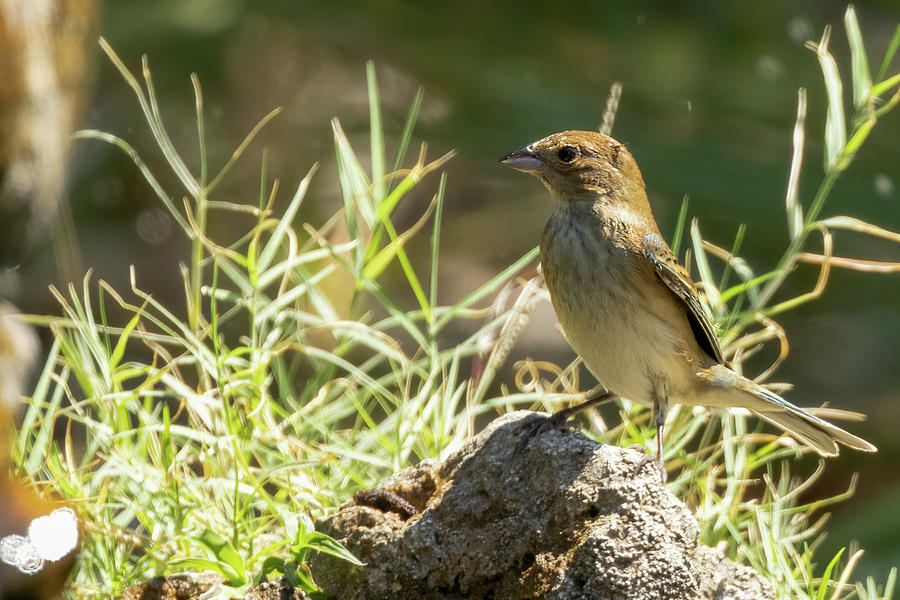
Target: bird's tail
(734, 390)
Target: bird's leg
(660, 408)
(558, 420)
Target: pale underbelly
(634, 355)
(635, 340)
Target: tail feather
(818, 433)
(811, 435)
(815, 432)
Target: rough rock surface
(561, 518)
(275, 590)
(181, 586)
(200, 586)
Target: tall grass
(271, 397)
(267, 398)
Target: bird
(625, 303)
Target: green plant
(272, 396)
(304, 540)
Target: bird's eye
(567, 153)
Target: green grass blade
(862, 79)
(495, 283)
(286, 220)
(39, 448)
(406, 134)
(703, 268)
(735, 248)
(679, 225)
(154, 120)
(201, 128)
(856, 141)
(236, 155)
(436, 241)
(825, 581)
(792, 197)
(386, 208)
(891, 580)
(879, 88)
(355, 190)
(835, 125)
(119, 351)
(411, 277)
(889, 55)
(93, 134)
(376, 135)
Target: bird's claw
(539, 424)
(647, 458)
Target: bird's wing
(677, 279)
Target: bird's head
(579, 165)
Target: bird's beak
(523, 159)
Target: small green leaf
(223, 551)
(862, 79)
(232, 578)
(275, 567)
(327, 545)
(291, 523)
(303, 576)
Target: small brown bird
(628, 308)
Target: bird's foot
(647, 458)
(538, 424)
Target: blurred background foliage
(708, 106)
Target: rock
(181, 586)
(200, 586)
(275, 590)
(561, 518)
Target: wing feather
(677, 279)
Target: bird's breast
(612, 307)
